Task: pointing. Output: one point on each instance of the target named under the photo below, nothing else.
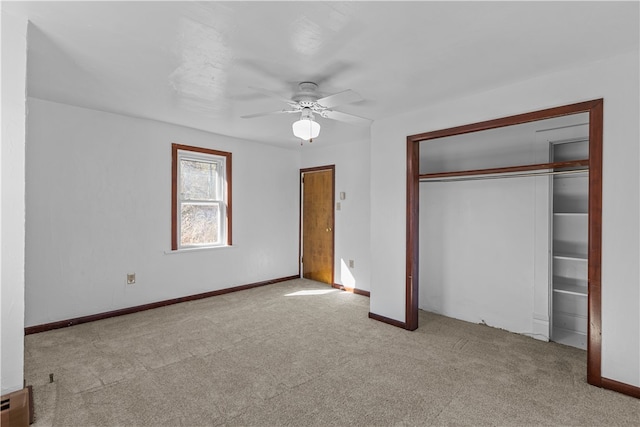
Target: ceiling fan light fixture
(306, 128)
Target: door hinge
(302, 260)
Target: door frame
(332, 168)
(595, 110)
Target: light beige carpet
(299, 354)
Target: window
(200, 197)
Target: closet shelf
(576, 214)
(571, 257)
(580, 174)
(569, 288)
(572, 338)
(565, 166)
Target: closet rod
(508, 175)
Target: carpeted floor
(299, 353)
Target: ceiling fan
(307, 102)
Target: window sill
(206, 248)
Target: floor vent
(15, 408)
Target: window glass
(199, 180)
(199, 224)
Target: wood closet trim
(595, 110)
(594, 325)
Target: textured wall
(99, 206)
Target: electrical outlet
(131, 278)
(352, 263)
(338, 206)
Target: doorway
(317, 193)
(595, 112)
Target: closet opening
(504, 217)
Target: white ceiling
(192, 63)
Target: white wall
(12, 212)
(616, 80)
(477, 251)
(98, 206)
(352, 242)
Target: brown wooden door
(317, 225)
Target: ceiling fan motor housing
(307, 94)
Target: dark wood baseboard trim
(623, 388)
(31, 409)
(99, 316)
(387, 320)
(352, 290)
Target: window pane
(199, 180)
(200, 224)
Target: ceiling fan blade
(347, 118)
(346, 97)
(251, 116)
(272, 94)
